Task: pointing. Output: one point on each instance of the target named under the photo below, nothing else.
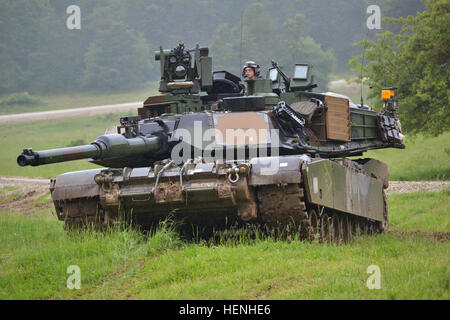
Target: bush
(20, 98)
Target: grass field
(35, 253)
(429, 212)
(423, 159)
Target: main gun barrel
(104, 147)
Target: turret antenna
(362, 68)
(240, 45)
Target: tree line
(113, 49)
(413, 54)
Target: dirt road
(69, 113)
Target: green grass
(82, 99)
(424, 211)
(352, 89)
(23, 102)
(13, 109)
(35, 253)
(423, 159)
(410, 268)
(46, 198)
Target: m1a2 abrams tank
(211, 155)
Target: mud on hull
(312, 197)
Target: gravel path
(416, 186)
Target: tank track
(283, 208)
(80, 213)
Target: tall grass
(35, 253)
(411, 268)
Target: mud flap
(72, 185)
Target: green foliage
(20, 98)
(396, 9)
(263, 40)
(165, 237)
(117, 57)
(416, 61)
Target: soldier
(250, 70)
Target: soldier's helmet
(253, 65)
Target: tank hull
(312, 197)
